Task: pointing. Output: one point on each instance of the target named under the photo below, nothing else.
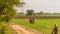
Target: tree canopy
(30, 12)
(7, 10)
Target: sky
(47, 6)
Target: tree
(41, 12)
(7, 12)
(30, 12)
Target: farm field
(43, 25)
(40, 14)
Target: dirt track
(23, 30)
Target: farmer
(31, 20)
(55, 30)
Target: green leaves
(7, 10)
(30, 12)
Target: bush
(4, 28)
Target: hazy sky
(42, 5)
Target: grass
(41, 14)
(6, 29)
(49, 15)
(43, 25)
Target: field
(43, 16)
(40, 14)
(43, 25)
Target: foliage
(41, 12)
(7, 12)
(43, 25)
(30, 12)
(4, 28)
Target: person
(31, 20)
(55, 30)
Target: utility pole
(22, 6)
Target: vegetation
(30, 12)
(43, 25)
(7, 12)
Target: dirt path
(23, 30)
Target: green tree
(41, 12)
(7, 12)
(30, 12)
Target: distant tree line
(31, 12)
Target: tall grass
(4, 28)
